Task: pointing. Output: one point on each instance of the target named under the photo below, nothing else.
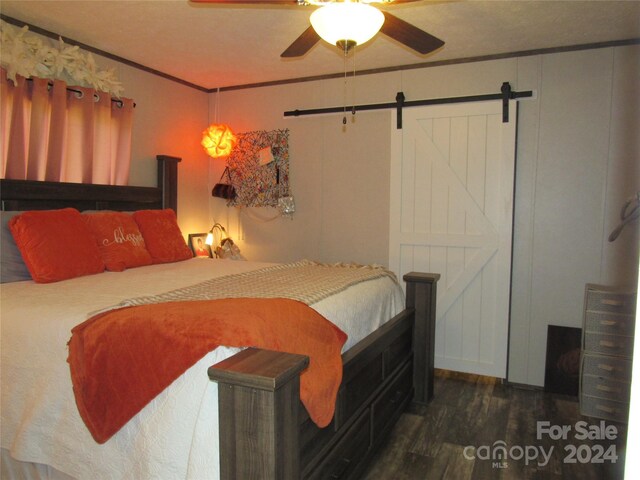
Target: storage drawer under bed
(378, 375)
(346, 455)
(392, 402)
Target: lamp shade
(357, 22)
(218, 140)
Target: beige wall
(169, 118)
(339, 176)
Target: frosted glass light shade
(358, 22)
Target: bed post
(421, 296)
(168, 180)
(258, 403)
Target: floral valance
(29, 55)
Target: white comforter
(176, 435)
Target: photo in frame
(198, 246)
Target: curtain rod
(117, 101)
(505, 95)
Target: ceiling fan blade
(284, 2)
(408, 35)
(249, 2)
(302, 44)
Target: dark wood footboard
(265, 433)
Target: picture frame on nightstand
(198, 246)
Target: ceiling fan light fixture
(350, 21)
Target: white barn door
(452, 178)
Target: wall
(169, 119)
(577, 161)
(337, 174)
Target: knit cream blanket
(306, 281)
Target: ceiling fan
(340, 22)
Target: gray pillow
(12, 267)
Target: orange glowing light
(218, 140)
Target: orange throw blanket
(120, 360)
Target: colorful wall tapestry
(259, 167)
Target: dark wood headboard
(36, 195)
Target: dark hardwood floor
(458, 435)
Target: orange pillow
(56, 244)
(162, 235)
(120, 242)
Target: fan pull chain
(353, 104)
(353, 87)
(344, 88)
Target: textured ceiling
(219, 45)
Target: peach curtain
(51, 133)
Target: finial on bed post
(168, 180)
(421, 296)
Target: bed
(245, 420)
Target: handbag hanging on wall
(224, 190)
